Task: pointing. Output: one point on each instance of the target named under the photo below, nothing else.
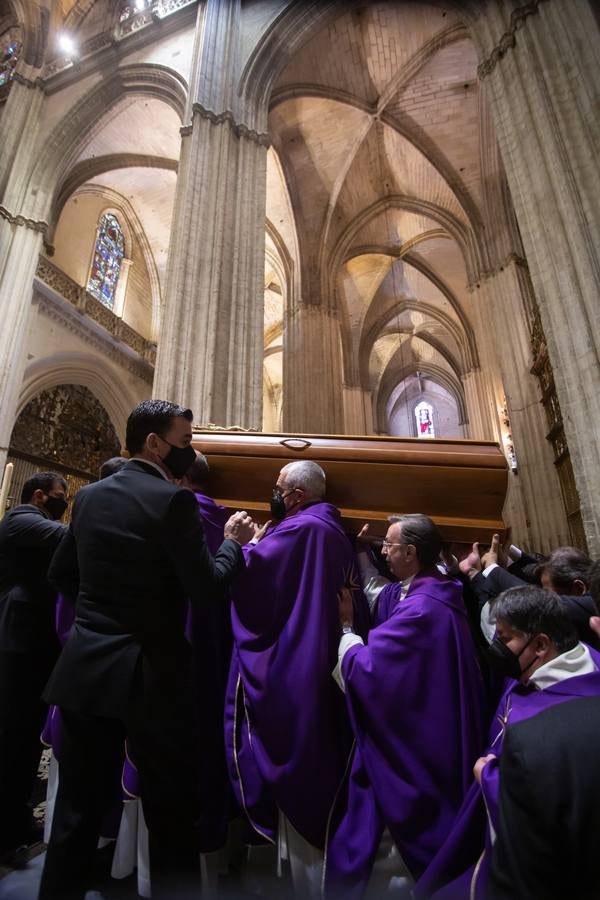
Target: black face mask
(55, 507)
(503, 661)
(278, 509)
(179, 459)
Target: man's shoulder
(22, 516)
(575, 721)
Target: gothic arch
(385, 321)
(63, 144)
(89, 168)
(459, 232)
(85, 369)
(133, 230)
(296, 24)
(395, 373)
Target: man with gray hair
(287, 732)
(415, 699)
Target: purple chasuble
(459, 871)
(287, 733)
(387, 601)
(415, 698)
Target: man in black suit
(136, 551)
(565, 571)
(549, 813)
(29, 535)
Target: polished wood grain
(460, 484)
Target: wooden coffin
(461, 484)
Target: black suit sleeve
(34, 530)
(185, 541)
(64, 567)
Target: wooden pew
(461, 484)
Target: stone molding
(27, 82)
(22, 220)
(88, 308)
(238, 128)
(508, 39)
(57, 309)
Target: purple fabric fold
(287, 731)
(415, 698)
(460, 868)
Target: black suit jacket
(136, 550)
(579, 608)
(549, 813)
(28, 539)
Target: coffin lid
(461, 484)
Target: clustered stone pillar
(534, 507)
(20, 241)
(312, 371)
(210, 354)
(539, 65)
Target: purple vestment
(415, 698)
(287, 734)
(459, 870)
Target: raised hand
(471, 564)
(491, 556)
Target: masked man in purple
(536, 648)
(287, 733)
(414, 694)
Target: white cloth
(372, 581)
(306, 861)
(51, 791)
(487, 622)
(390, 874)
(577, 661)
(346, 641)
(132, 849)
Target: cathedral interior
(306, 216)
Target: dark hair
(594, 583)
(112, 465)
(423, 534)
(531, 610)
(152, 416)
(43, 481)
(197, 473)
(564, 566)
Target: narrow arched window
(106, 264)
(10, 48)
(424, 417)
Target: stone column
(481, 406)
(20, 242)
(210, 351)
(540, 70)
(536, 485)
(358, 410)
(312, 371)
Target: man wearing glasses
(415, 699)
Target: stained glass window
(424, 417)
(106, 265)
(9, 56)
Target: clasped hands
(242, 528)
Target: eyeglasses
(387, 544)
